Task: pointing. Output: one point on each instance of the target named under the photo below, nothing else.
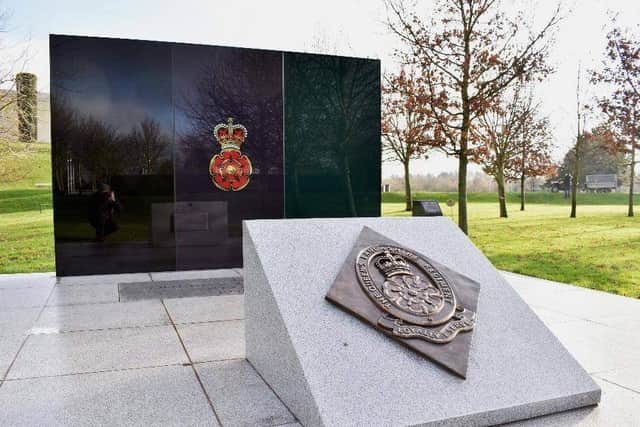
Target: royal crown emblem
(230, 170)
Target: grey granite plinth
(331, 369)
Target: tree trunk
(633, 177)
(574, 178)
(464, 135)
(349, 187)
(522, 197)
(462, 192)
(574, 192)
(501, 195)
(407, 187)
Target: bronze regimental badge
(409, 297)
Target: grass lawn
(600, 249)
(26, 218)
(33, 164)
(26, 241)
(542, 197)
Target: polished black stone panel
(332, 136)
(139, 118)
(211, 85)
(112, 125)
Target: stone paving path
(72, 354)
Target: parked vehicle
(601, 183)
(556, 185)
(562, 184)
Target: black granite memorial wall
(160, 150)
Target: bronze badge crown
(390, 264)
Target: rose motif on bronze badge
(411, 293)
(416, 299)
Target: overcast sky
(351, 27)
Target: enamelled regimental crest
(417, 301)
(230, 170)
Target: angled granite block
(331, 369)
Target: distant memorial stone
(332, 368)
(426, 208)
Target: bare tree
(404, 123)
(578, 147)
(515, 142)
(12, 61)
(621, 73)
(469, 52)
(497, 131)
(533, 157)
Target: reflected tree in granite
(150, 145)
(63, 126)
(234, 83)
(332, 114)
(100, 152)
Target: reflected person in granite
(103, 205)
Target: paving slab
(168, 396)
(9, 347)
(206, 309)
(84, 294)
(194, 274)
(240, 397)
(104, 279)
(528, 284)
(207, 342)
(552, 317)
(86, 317)
(597, 347)
(27, 297)
(27, 280)
(94, 351)
(625, 377)
(629, 322)
(17, 321)
(586, 304)
(595, 332)
(618, 408)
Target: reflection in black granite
(138, 117)
(112, 124)
(332, 136)
(212, 84)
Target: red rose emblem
(230, 170)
